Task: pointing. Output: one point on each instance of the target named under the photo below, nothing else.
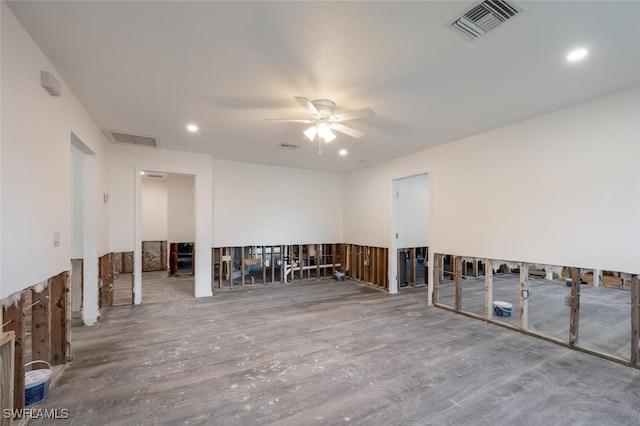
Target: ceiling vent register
(486, 16)
(130, 139)
(285, 145)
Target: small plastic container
(502, 309)
(36, 383)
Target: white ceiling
(152, 67)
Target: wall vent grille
(486, 16)
(287, 146)
(131, 139)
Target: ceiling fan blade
(352, 115)
(347, 130)
(287, 120)
(306, 103)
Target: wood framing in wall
(7, 354)
(59, 289)
(365, 264)
(574, 321)
(48, 326)
(41, 324)
(265, 264)
(457, 272)
(635, 320)
(105, 274)
(603, 329)
(13, 316)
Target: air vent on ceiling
(131, 139)
(287, 146)
(486, 16)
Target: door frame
(393, 242)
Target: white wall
(181, 214)
(77, 202)
(154, 209)
(256, 204)
(411, 203)
(36, 164)
(562, 188)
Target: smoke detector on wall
(485, 16)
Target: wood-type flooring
(326, 353)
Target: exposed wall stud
(264, 264)
(524, 296)
(575, 307)
(7, 373)
(242, 264)
(635, 319)
(59, 322)
(488, 290)
(13, 315)
(457, 271)
(412, 266)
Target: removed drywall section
(36, 160)
(255, 203)
(556, 189)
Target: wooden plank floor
(322, 352)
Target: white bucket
(502, 309)
(36, 383)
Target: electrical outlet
(56, 238)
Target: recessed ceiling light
(343, 152)
(192, 128)
(577, 54)
(141, 173)
(363, 161)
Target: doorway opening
(410, 239)
(167, 231)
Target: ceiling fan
(324, 120)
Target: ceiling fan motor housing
(325, 107)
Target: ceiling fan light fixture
(324, 130)
(328, 137)
(311, 133)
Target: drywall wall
(411, 202)
(126, 164)
(560, 189)
(154, 209)
(256, 204)
(36, 166)
(181, 214)
(77, 202)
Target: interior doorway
(410, 239)
(167, 231)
